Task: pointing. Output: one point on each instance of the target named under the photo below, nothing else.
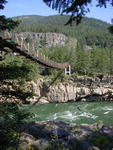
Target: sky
(38, 7)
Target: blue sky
(37, 7)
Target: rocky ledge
(49, 39)
(58, 135)
(76, 88)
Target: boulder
(25, 141)
(43, 100)
(41, 144)
(60, 133)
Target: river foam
(80, 112)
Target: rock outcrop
(73, 89)
(55, 135)
(78, 88)
(48, 39)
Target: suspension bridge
(10, 41)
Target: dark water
(75, 112)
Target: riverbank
(46, 90)
(58, 135)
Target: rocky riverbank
(77, 88)
(74, 88)
(58, 135)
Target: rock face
(55, 135)
(74, 89)
(48, 39)
(77, 88)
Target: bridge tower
(68, 70)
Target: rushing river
(76, 112)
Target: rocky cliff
(48, 39)
(78, 88)
(73, 89)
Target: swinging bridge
(11, 40)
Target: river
(74, 112)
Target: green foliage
(111, 29)
(92, 62)
(12, 117)
(16, 68)
(12, 113)
(101, 140)
(100, 60)
(82, 60)
(7, 23)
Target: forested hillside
(98, 58)
(89, 32)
